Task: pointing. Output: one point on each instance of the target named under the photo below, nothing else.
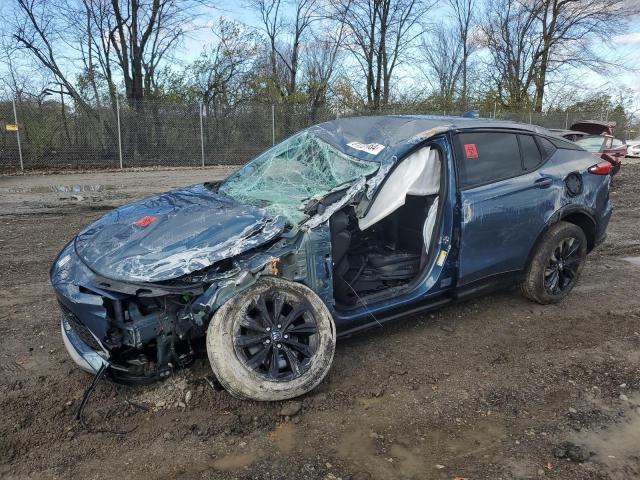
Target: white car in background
(633, 148)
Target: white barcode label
(372, 148)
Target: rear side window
(531, 156)
(487, 156)
(547, 147)
(564, 144)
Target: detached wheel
(556, 264)
(273, 341)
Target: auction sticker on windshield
(372, 148)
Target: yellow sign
(11, 127)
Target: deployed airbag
(429, 224)
(418, 174)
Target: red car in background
(596, 136)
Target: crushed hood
(173, 234)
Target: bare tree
(38, 28)
(512, 41)
(531, 40)
(270, 16)
(566, 29)
(442, 52)
(306, 12)
(142, 34)
(322, 63)
(464, 15)
(117, 38)
(18, 77)
(380, 34)
(286, 39)
(89, 38)
(220, 74)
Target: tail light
(602, 168)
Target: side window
(565, 144)
(547, 147)
(486, 156)
(531, 156)
(617, 143)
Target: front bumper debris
(82, 354)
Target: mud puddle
(617, 445)
(633, 260)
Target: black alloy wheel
(562, 270)
(556, 263)
(272, 341)
(277, 336)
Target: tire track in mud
(10, 370)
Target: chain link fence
(52, 135)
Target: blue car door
(505, 199)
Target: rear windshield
(591, 144)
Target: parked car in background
(607, 147)
(597, 137)
(568, 134)
(633, 147)
(341, 227)
(594, 127)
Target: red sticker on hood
(470, 150)
(144, 221)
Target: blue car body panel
(501, 221)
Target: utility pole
(119, 132)
(15, 117)
(201, 136)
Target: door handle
(544, 182)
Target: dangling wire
(364, 304)
(85, 399)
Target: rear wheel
(273, 341)
(556, 264)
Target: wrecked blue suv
(342, 226)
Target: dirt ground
(493, 388)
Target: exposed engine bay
(151, 336)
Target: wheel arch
(586, 222)
(575, 214)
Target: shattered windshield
(286, 176)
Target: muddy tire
(556, 264)
(273, 341)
